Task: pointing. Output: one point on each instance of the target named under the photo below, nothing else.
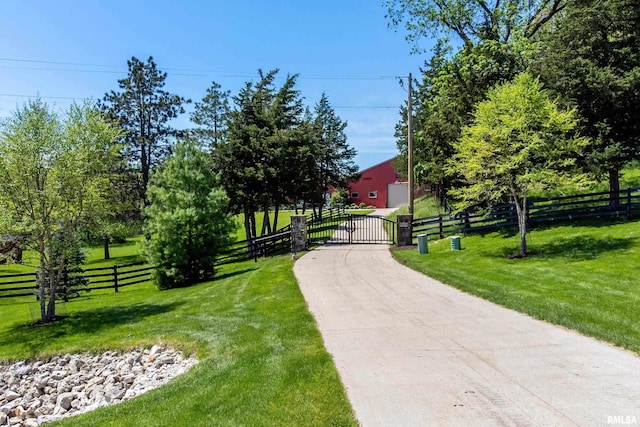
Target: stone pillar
(298, 233)
(405, 230)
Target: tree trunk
(106, 248)
(42, 290)
(247, 231)
(252, 219)
(266, 222)
(521, 210)
(145, 172)
(275, 216)
(614, 187)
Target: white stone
(58, 375)
(10, 395)
(72, 384)
(64, 400)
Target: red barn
(379, 186)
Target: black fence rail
(623, 204)
(115, 277)
(118, 276)
(321, 230)
(17, 285)
(276, 242)
(255, 248)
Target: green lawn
(584, 277)
(284, 219)
(262, 357)
(423, 207)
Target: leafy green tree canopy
(53, 173)
(592, 60)
(471, 21)
(188, 219)
(519, 139)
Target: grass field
(584, 277)
(423, 207)
(262, 358)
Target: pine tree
(143, 110)
(211, 115)
(188, 219)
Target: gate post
(405, 230)
(298, 233)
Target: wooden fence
(276, 242)
(540, 211)
(118, 276)
(114, 277)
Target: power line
(185, 71)
(70, 98)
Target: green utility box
(423, 246)
(455, 243)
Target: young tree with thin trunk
(53, 173)
(519, 140)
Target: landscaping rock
(37, 392)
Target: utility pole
(410, 150)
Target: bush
(363, 205)
(339, 197)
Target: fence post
(404, 225)
(115, 277)
(441, 226)
(629, 204)
(299, 234)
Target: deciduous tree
(471, 21)
(519, 139)
(53, 173)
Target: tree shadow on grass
(233, 273)
(84, 322)
(581, 248)
(120, 260)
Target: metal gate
(352, 229)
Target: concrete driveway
(414, 352)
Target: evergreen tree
(143, 110)
(188, 219)
(592, 60)
(333, 156)
(211, 115)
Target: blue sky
(65, 50)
